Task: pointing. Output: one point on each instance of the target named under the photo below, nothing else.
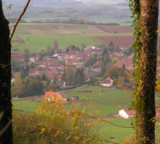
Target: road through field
(28, 43)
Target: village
(69, 68)
(92, 60)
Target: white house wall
(123, 114)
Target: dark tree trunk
(145, 99)
(5, 81)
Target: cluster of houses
(76, 59)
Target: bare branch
(4, 129)
(21, 43)
(19, 18)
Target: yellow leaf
(76, 127)
(43, 129)
(76, 137)
(96, 111)
(106, 121)
(89, 124)
(57, 132)
(68, 137)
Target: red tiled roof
(118, 63)
(106, 81)
(70, 61)
(63, 94)
(54, 65)
(82, 54)
(129, 58)
(52, 72)
(130, 112)
(38, 62)
(73, 52)
(109, 79)
(98, 63)
(59, 77)
(32, 70)
(51, 94)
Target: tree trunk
(145, 99)
(5, 81)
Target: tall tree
(26, 55)
(69, 73)
(147, 14)
(5, 81)
(55, 45)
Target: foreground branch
(19, 18)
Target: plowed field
(117, 29)
(17, 41)
(118, 40)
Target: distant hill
(43, 2)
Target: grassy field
(105, 103)
(41, 41)
(22, 46)
(24, 105)
(40, 35)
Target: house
(75, 97)
(59, 95)
(41, 51)
(75, 63)
(125, 113)
(54, 66)
(127, 62)
(73, 52)
(97, 51)
(81, 55)
(95, 47)
(62, 56)
(97, 65)
(64, 50)
(24, 64)
(119, 63)
(43, 64)
(87, 48)
(88, 52)
(40, 73)
(33, 57)
(21, 58)
(87, 79)
(58, 77)
(16, 53)
(61, 84)
(123, 48)
(120, 55)
(107, 82)
(32, 71)
(55, 56)
(49, 58)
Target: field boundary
(28, 43)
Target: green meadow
(40, 35)
(110, 101)
(41, 41)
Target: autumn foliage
(51, 123)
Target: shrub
(51, 123)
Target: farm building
(107, 82)
(52, 95)
(125, 113)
